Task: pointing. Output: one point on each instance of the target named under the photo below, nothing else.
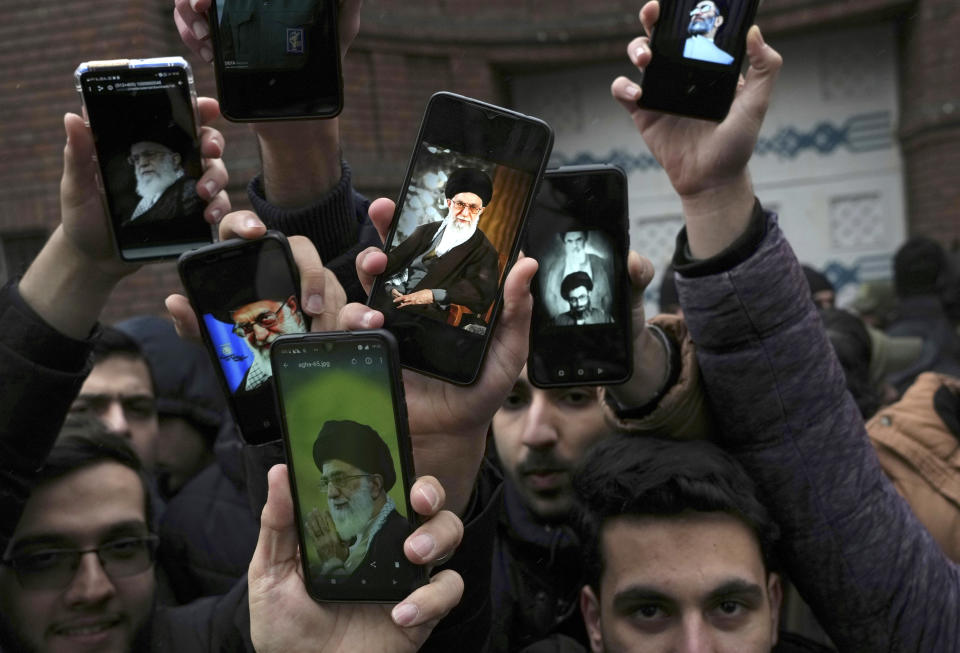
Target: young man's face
(690, 582)
(541, 436)
(119, 392)
(264, 321)
(93, 612)
(579, 300)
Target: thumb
(79, 181)
(381, 215)
(641, 273)
(513, 332)
(765, 63)
(277, 544)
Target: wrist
(715, 217)
(651, 370)
(301, 160)
(67, 288)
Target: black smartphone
(143, 115)
(698, 48)
(580, 332)
(277, 60)
(348, 455)
(456, 232)
(246, 294)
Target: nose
(90, 584)
(260, 333)
(114, 419)
(333, 491)
(694, 636)
(540, 429)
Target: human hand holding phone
(69, 282)
(284, 618)
(706, 161)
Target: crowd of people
(768, 444)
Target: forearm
(65, 288)
(717, 216)
(301, 160)
(454, 460)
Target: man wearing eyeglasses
(706, 19)
(450, 261)
(259, 323)
(78, 572)
(166, 192)
(361, 526)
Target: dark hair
(644, 476)
(853, 347)
(84, 442)
(114, 342)
(575, 280)
(816, 279)
(918, 267)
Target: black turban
(469, 180)
(575, 280)
(356, 444)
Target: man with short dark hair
(450, 261)
(706, 19)
(679, 552)
(576, 288)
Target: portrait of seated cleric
(577, 289)
(167, 194)
(359, 533)
(706, 20)
(450, 261)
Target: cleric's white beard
(455, 233)
(153, 185)
(357, 513)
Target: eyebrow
(735, 587)
(129, 528)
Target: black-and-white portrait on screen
(576, 287)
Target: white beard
(352, 518)
(260, 369)
(454, 233)
(151, 186)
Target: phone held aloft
(698, 48)
(143, 115)
(348, 455)
(456, 231)
(246, 294)
(580, 332)
(276, 60)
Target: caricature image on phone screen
(344, 454)
(454, 236)
(577, 271)
(707, 18)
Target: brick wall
(406, 51)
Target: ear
(718, 21)
(590, 609)
(176, 159)
(292, 303)
(376, 485)
(775, 592)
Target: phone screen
(698, 48)
(246, 296)
(277, 59)
(348, 457)
(581, 327)
(143, 123)
(456, 231)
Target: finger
(209, 109)
(322, 296)
(241, 224)
(184, 319)
(430, 602)
(381, 215)
(765, 64)
(211, 143)
(513, 333)
(354, 317)
(277, 543)
(188, 23)
(213, 180)
(427, 496)
(370, 262)
(218, 207)
(626, 92)
(436, 539)
(649, 15)
(639, 52)
(78, 185)
(641, 273)
(349, 24)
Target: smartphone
(246, 294)
(277, 60)
(698, 48)
(143, 115)
(348, 455)
(456, 232)
(580, 332)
